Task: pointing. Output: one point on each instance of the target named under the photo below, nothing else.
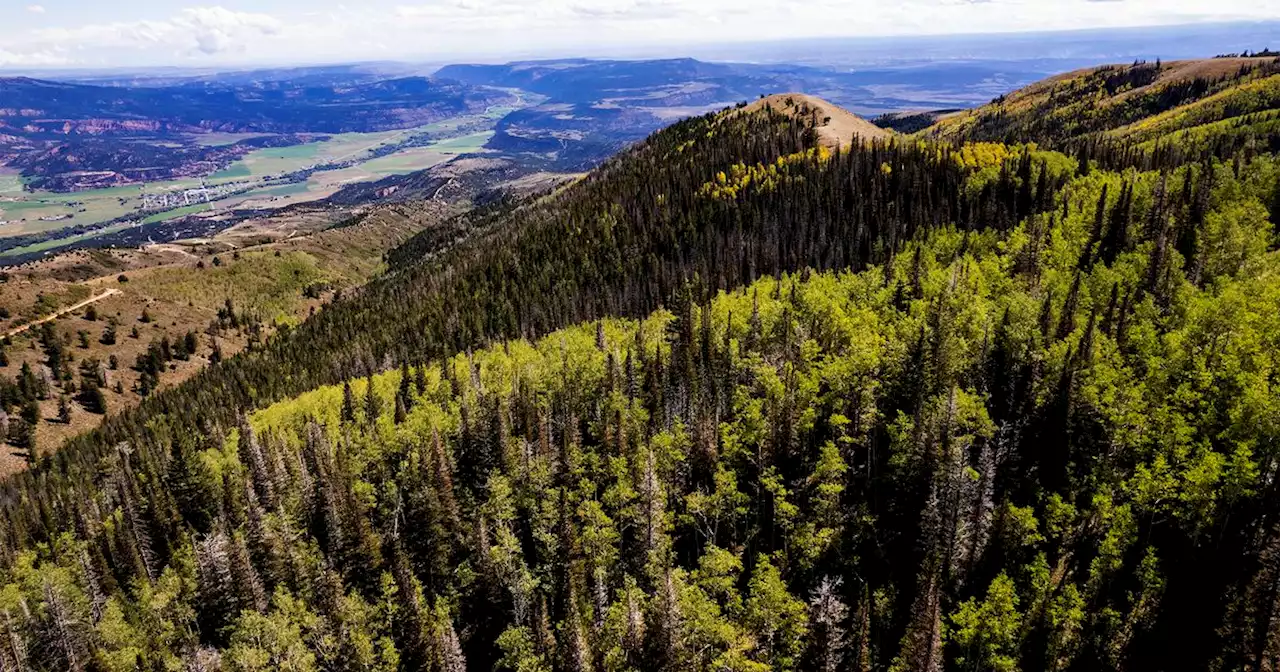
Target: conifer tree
(348, 404)
(372, 403)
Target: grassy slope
(266, 280)
(836, 126)
(1135, 102)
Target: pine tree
(14, 647)
(449, 649)
(372, 403)
(400, 414)
(664, 646)
(404, 395)
(217, 606)
(188, 482)
(348, 404)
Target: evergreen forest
(736, 400)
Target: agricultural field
(24, 215)
(270, 162)
(404, 161)
(222, 139)
(27, 213)
(324, 183)
(178, 212)
(54, 243)
(10, 183)
(276, 161)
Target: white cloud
(9, 59)
(199, 30)
(459, 29)
(216, 29)
(35, 9)
(635, 20)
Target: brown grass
(167, 283)
(836, 126)
(1170, 72)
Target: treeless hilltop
(836, 126)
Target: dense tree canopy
(734, 401)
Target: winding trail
(166, 247)
(18, 330)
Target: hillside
(37, 109)
(738, 399)
(214, 297)
(593, 108)
(836, 127)
(1210, 102)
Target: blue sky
(98, 33)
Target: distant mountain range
(67, 136)
(117, 128)
(42, 109)
(101, 128)
(596, 107)
(687, 81)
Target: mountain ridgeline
(1221, 105)
(738, 399)
(39, 110)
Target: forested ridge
(907, 406)
(1182, 108)
(618, 242)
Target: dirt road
(18, 330)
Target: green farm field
(324, 183)
(53, 243)
(23, 216)
(410, 160)
(24, 213)
(221, 139)
(282, 160)
(10, 183)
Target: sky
(133, 33)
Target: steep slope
(1210, 101)
(832, 438)
(895, 406)
(720, 199)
